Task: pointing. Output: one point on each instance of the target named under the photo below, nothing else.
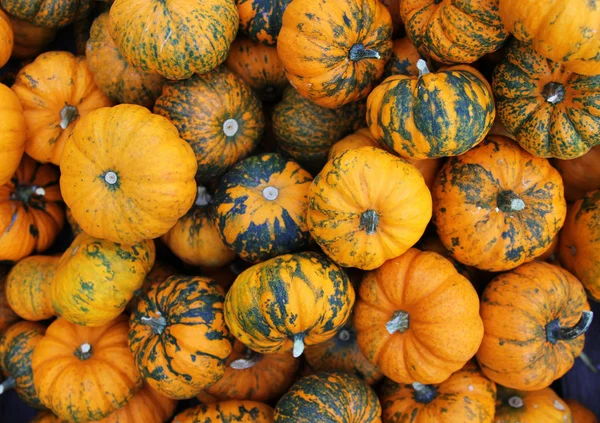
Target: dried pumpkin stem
(84, 352)
(68, 115)
(424, 394)
(298, 349)
(249, 360)
(554, 92)
(157, 324)
(8, 384)
(555, 332)
(400, 322)
(423, 69)
(369, 221)
(202, 197)
(344, 335)
(515, 402)
(359, 52)
(509, 202)
(24, 193)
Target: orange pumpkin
(359, 222)
(227, 411)
(52, 14)
(404, 58)
(13, 131)
(534, 318)
(417, 318)
(28, 287)
(261, 19)
(157, 275)
(531, 406)
(7, 38)
(84, 374)
(7, 315)
(580, 413)
(56, 89)
(433, 243)
(30, 214)
(134, 181)
(30, 40)
(580, 175)
(147, 406)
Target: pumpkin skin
(50, 14)
(579, 249)
(173, 40)
(404, 58)
(96, 278)
(30, 40)
(261, 309)
(526, 313)
(217, 114)
(454, 32)
(560, 31)
(259, 66)
(178, 336)
(147, 406)
(261, 19)
(433, 243)
(260, 207)
(333, 397)
(30, 214)
(28, 287)
(75, 228)
(120, 82)
(497, 206)
(134, 181)
(580, 175)
(394, 9)
(334, 54)
(227, 411)
(550, 111)
(16, 348)
(56, 90)
(432, 115)
(67, 352)
(466, 396)
(531, 406)
(7, 38)
(7, 315)
(341, 353)
(417, 318)
(255, 377)
(580, 413)
(159, 273)
(359, 225)
(13, 131)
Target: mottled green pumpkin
(217, 114)
(48, 13)
(227, 412)
(551, 111)
(333, 397)
(178, 336)
(261, 19)
(404, 58)
(260, 207)
(16, 348)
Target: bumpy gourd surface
(13, 131)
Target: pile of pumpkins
(299, 211)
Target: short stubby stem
(515, 402)
(369, 221)
(555, 332)
(84, 352)
(509, 202)
(249, 359)
(424, 394)
(157, 324)
(270, 193)
(298, 348)
(202, 197)
(8, 384)
(554, 92)
(400, 322)
(68, 115)
(359, 52)
(344, 335)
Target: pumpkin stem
(554, 92)
(270, 193)
(515, 402)
(588, 362)
(400, 322)
(157, 324)
(84, 352)
(249, 360)
(509, 202)
(24, 193)
(298, 345)
(202, 197)
(68, 115)
(555, 332)
(423, 69)
(359, 52)
(344, 335)
(424, 394)
(369, 221)
(230, 127)
(8, 384)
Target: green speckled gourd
(261, 19)
(48, 13)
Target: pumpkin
(56, 89)
(394, 9)
(433, 243)
(217, 114)
(334, 52)
(259, 66)
(134, 181)
(550, 254)
(173, 40)
(158, 274)
(466, 396)
(83, 374)
(75, 228)
(260, 207)
(227, 411)
(534, 318)
(579, 249)
(531, 406)
(550, 111)
(96, 278)
(431, 115)
(261, 19)
(30, 214)
(147, 406)
(253, 376)
(30, 40)
(6, 38)
(178, 336)
(417, 318)
(498, 206)
(28, 287)
(454, 32)
(305, 131)
(50, 14)
(341, 353)
(561, 31)
(262, 308)
(120, 82)
(580, 175)
(12, 131)
(357, 221)
(7, 315)
(195, 238)
(16, 348)
(47, 416)
(404, 58)
(580, 413)
(81, 33)
(333, 397)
